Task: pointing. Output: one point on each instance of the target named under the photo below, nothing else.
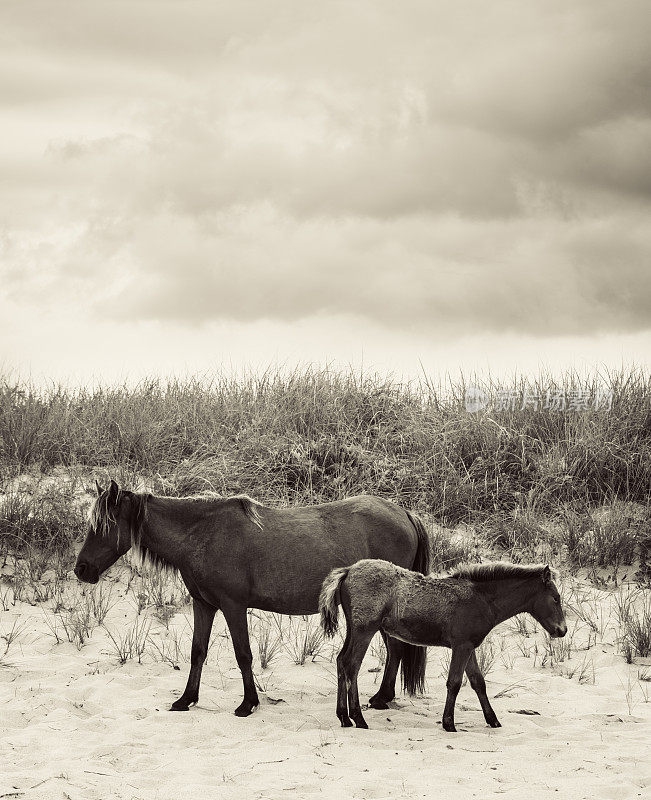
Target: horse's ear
(113, 492)
(547, 575)
(99, 488)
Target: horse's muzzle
(559, 631)
(86, 572)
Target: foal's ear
(113, 492)
(547, 575)
(99, 488)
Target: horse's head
(546, 607)
(109, 532)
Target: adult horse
(235, 554)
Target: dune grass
(318, 435)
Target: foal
(456, 612)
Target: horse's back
(357, 527)
(297, 547)
(363, 505)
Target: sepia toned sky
(409, 186)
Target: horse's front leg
(479, 685)
(458, 661)
(203, 619)
(236, 619)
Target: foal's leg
(342, 699)
(203, 619)
(458, 661)
(359, 642)
(387, 690)
(236, 620)
(479, 685)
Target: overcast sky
(186, 185)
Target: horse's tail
(423, 550)
(329, 600)
(414, 658)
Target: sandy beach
(76, 723)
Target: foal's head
(546, 606)
(113, 518)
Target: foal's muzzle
(86, 572)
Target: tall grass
(634, 617)
(39, 514)
(318, 435)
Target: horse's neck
(160, 535)
(509, 597)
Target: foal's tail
(414, 658)
(329, 600)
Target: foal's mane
(498, 570)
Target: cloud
(441, 167)
(448, 276)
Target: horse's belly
(284, 597)
(285, 605)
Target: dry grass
(318, 435)
(131, 643)
(610, 538)
(634, 617)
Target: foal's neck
(509, 597)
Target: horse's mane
(498, 570)
(249, 506)
(103, 514)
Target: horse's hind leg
(458, 661)
(387, 690)
(203, 619)
(479, 685)
(235, 616)
(359, 642)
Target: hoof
(495, 723)
(361, 723)
(378, 703)
(182, 705)
(244, 709)
(346, 722)
(449, 727)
